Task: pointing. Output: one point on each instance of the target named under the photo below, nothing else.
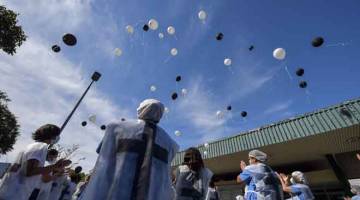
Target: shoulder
(36, 146)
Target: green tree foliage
(9, 128)
(11, 35)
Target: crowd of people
(134, 163)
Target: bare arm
(285, 187)
(32, 167)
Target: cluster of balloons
(69, 39)
(92, 119)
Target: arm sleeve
(38, 154)
(245, 176)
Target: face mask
(54, 141)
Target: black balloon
(145, 27)
(300, 72)
(102, 127)
(84, 123)
(229, 108)
(302, 84)
(78, 169)
(251, 48)
(318, 41)
(243, 113)
(178, 78)
(174, 96)
(123, 119)
(219, 36)
(69, 39)
(56, 48)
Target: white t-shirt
(36, 151)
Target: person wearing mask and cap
(192, 177)
(262, 182)
(134, 159)
(299, 190)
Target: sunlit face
(252, 160)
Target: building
(322, 144)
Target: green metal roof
(317, 122)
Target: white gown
(125, 168)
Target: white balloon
(279, 53)
(129, 29)
(174, 51)
(206, 145)
(171, 30)
(117, 52)
(166, 110)
(219, 114)
(178, 133)
(153, 24)
(183, 91)
(161, 35)
(153, 88)
(202, 15)
(227, 61)
(92, 118)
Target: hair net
(258, 155)
(150, 110)
(299, 177)
(355, 189)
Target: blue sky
(44, 86)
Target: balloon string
(175, 37)
(167, 59)
(287, 71)
(308, 96)
(338, 44)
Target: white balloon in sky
(227, 61)
(178, 133)
(219, 114)
(153, 88)
(206, 145)
(129, 29)
(92, 118)
(166, 110)
(153, 24)
(202, 15)
(161, 35)
(117, 52)
(279, 53)
(174, 51)
(184, 91)
(171, 30)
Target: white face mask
(54, 141)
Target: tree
(11, 35)
(9, 128)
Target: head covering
(150, 110)
(355, 189)
(258, 155)
(299, 177)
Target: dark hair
(46, 132)
(53, 152)
(193, 159)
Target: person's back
(301, 192)
(134, 160)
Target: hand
(242, 165)
(284, 177)
(358, 156)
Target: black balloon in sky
(102, 127)
(56, 48)
(300, 71)
(243, 113)
(174, 96)
(123, 119)
(251, 48)
(229, 108)
(317, 42)
(69, 39)
(84, 123)
(219, 36)
(78, 169)
(303, 84)
(146, 27)
(178, 78)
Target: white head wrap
(355, 189)
(299, 176)
(258, 155)
(150, 110)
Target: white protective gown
(134, 160)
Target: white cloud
(283, 106)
